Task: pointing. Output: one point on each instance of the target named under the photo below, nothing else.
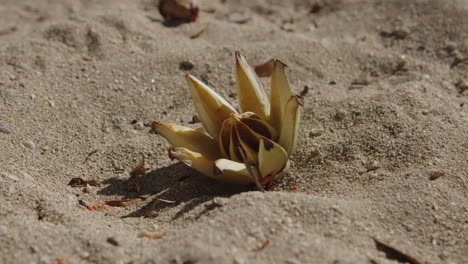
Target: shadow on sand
(177, 183)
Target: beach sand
(382, 153)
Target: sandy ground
(382, 152)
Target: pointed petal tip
(278, 62)
(238, 58)
(190, 77)
(155, 125)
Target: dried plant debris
(7, 31)
(399, 33)
(122, 203)
(196, 33)
(436, 175)
(89, 155)
(461, 86)
(178, 10)
(80, 182)
(362, 80)
(186, 65)
(139, 169)
(195, 119)
(304, 91)
(316, 7)
(208, 207)
(265, 69)
(151, 236)
(393, 253)
(113, 241)
(262, 246)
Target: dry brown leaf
(178, 10)
(195, 34)
(265, 69)
(152, 236)
(261, 247)
(139, 169)
(436, 175)
(122, 203)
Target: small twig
(249, 169)
(261, 247)
(166, 201)
(89, 155)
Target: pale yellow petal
(272, 158)
(180, 136)
(233, 172)
(212, 109)
(290, 124)
(280, 94)
(194, 160)
(252, 97)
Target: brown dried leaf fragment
(152, 236)
(139, 169)
(261, 247)
(304, 91)
(178, 10)
(393, 253)
(265, 69)
(80, 182)
(122, 203)
(195, 119)
(196, 33)
(316, 7)
(436, 175)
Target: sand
(382, 151)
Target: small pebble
(29, 144)
(12, 177)
(12, 188)
(443, 255)
(288, 27)
(87, 189)
(372, 165)
(237, 18)
(315, 132)
(450, 46)
(112, 241)
(340, 115)
(27, 177)
(138, 125)
(186, 66)
(5, 130)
